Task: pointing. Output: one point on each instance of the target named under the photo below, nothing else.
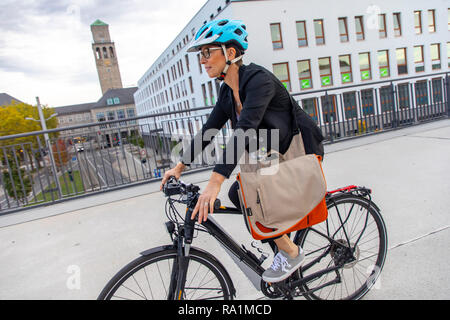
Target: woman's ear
(231, 53)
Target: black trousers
(234, 197)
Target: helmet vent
(222, 23)
(209, 35)
(238, 32)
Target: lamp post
(47, 142)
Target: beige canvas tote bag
(284, 194)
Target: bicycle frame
(249, 264)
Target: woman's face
(215, 64)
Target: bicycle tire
(137, 276)
(375, 227)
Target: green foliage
(19, 186)
(14, 122)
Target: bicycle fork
(181, 262)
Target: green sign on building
(365, 75)
(384, 72)
(306, 83)
(346, 77)
(325, 80)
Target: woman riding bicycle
(252, 98)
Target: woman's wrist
(217, 178)
(180, 166)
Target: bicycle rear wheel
(148, 278)
(350, 220)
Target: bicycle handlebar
(173, 187)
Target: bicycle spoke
(350, 223)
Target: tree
(13, 121)
(60, 153)
(16, 182)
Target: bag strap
(296, 128)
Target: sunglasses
(206, 53)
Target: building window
(364, 66)
(382, 26)
(397, 24)
(281, 71)
(131, 114)
(111, 116)
(359, 28)
(304, 74)
(403, 95)
(326, 77)
(191, 85)
(100, 118)
(448, 54)
(383, 63)
(277, 40)
(318, 31)
(310, 107)
(121, 115)
(367, 102)
(343, 30)
(437, 90)
(418, 21)
(205, 97)
(402, 67)
(345, 65)
(301, 34)
(105, 53)
(435, 56)
(328, 107)
(350, 105)
(98, 55)
(448, 19)
(386, 101)
(418, 59)
(421, 92)
(431, 21)
(116, 100)
(111, 52)
(186, 57)
(211, 93)
(199, 64)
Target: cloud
(45, 48)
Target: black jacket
(266, 104)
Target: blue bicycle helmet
(221, 32)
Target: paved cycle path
(70, 250)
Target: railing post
(447, 93)
(330, 116)
(394, 112)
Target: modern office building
(310, 46)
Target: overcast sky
(45, 45)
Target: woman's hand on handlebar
(205, 202)
(175, 172)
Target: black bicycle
(345, 254)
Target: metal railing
(113, 154)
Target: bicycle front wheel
(149, 278)
(353, 222)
